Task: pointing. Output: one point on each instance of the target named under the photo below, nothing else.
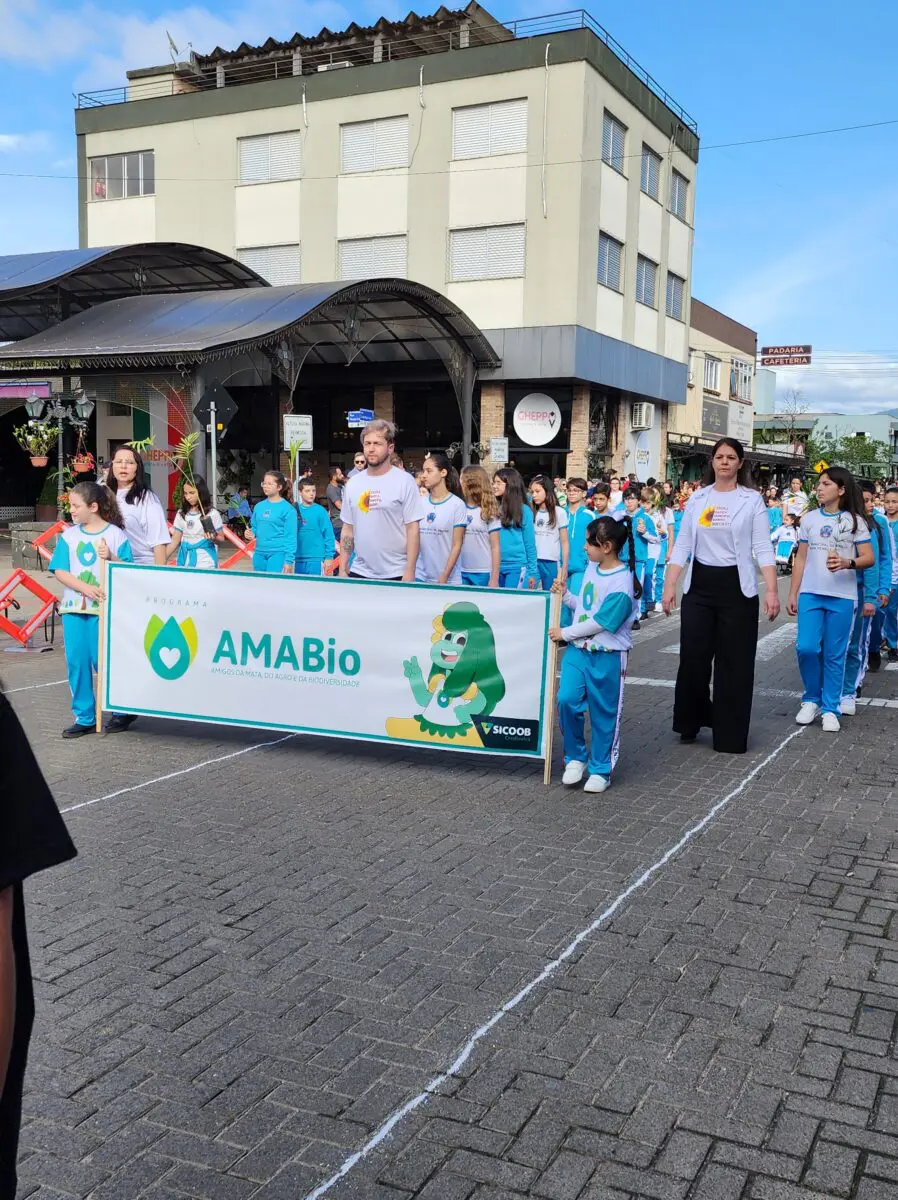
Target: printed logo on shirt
(87, 553)
(589, 597)
(170, 646)
(715, 518)
(431, 517)
(370, 499)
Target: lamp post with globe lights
(56, 410)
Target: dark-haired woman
(142, 512)
(517, 538)
(443, 524)
(96, 532)
(595, 664)
(724, 530)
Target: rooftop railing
(206, 75)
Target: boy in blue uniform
(881, 535)
(891, 619)
(644, 534)
(315, 542)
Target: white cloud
(23, 142)
(846, 382)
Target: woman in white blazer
(725, 530)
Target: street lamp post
(57, 410)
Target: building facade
(536, 179)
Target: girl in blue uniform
(595, 664)
(97, 532)
(480, 552)
(314, 533)
(196, 528)
(579, 518)
(275, 523)
(550, 527)
(517, 541)
(644, 534)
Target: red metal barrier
(20, 578)
(41, 538)
(243, 549)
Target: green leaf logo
(170, 647)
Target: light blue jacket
(517, 544)
(274, 526)
(315, 534)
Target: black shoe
(635, 625)
(874, 662)
(77, 730)
(119, 723)
(688, 738)
(646, 614)
(892, 655)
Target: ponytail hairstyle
(851, 500)
(442, 463)
(619, 534)
(743, 476)
(551, 499)
(514, 500)
(282, 482)
(866, 488)
(477, 493)
(99, 494)
(202, 491)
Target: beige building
(721, 391)
(527, 172)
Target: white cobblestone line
(384, 1130)
(32, 686)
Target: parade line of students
(615, 554)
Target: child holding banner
(595, 665)
(315, 533)
(275, 523)
(480, 552)
(97, 532)
(196, 528)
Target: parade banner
(452, 668)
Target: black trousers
(719, 632)
(11, 1100)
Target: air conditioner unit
(335, 66)
(642, 415)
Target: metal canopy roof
(375, 321)
(39, 290)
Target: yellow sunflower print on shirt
(365, 502)
(706, 520)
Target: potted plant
(45, 506)
(37, 438)
(82, 461)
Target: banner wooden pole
(101, 648)
(551, 670)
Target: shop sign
(536, 419)
(715, 417)
(643, 457)
(298, 431)
(741, 425)
(499, 450)
(786, 356)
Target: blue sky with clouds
(796, 238)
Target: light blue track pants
(514, 578)
(593, 682)
(824, 630)
(548, 572)
(272, 563)
(648, 585)
(890, 628)
(81, 635)
(858, 651)
(574, 584)
(475, 578)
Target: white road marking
(32, 686)
(767, 693)
(384, 1130)
(777, 642)
(209, 762)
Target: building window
(277, 264)
(675, 291)
(119, 176)
(646, 281)
(372, 258)
(741, 375)
(679, 185)
(611, 254)
(614, 138)
(491, 252)
(271, 157)
(712, 373)
(650, 177)
(485, 129)
(115, 409)
(374, 145)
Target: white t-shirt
(548, 537)
(476, 554)
(714, 544)
(76, 552)
(440, 520)
(192, 534)
(824, 533)
(145, 525)
(378, 507)
(616, 499)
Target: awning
(39, 290)
(375, 320)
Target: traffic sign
(358, 418)
(225, 406)
(499, 449)
(298, 431)
(821, 466)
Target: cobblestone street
(269, 947)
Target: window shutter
(646, 272)
(285, 155)
(613, 140)
(254, 160)
(391, 143)
(678, 185)
(508, 127)
(278, 264)
(467, 254)
(675, 296)
(148, 166)
(610, 250)
(371, 258)
(505, 246)
(471, 132)
(495, 252)
(650, 181)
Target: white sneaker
(848, 707)
(597, 783)
(831, 723)
(659, 607)
(807, 713)
(573, 773)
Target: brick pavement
(251, 966)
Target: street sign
(821, 466)
(358, 418)
(225, 406)
(499, 449)
(298, 431)
(786, 356)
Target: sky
(796, 238)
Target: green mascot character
(464, 681)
